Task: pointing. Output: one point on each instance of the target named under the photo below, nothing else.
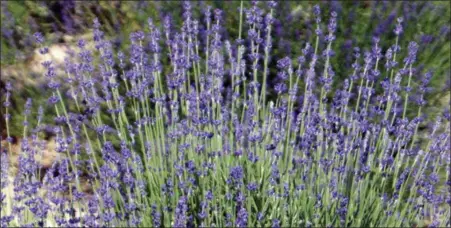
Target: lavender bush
(64, 22)
(214, 138)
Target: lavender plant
(213, 138)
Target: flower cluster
(189, 128)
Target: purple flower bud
(316, 10)
(284, 63)
(7, 103)
(28, 106)
(252, 186)
(272, 4)
(53, 100)
(81, 44)
(96, 22)
(8, 87)
(137, 36)
(412, 49)
(242, 216)
(398, 29)
(275, 223)
(39, 38)
(236, 173)
(280, 88)
(180, 212)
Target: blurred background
(63, 23)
